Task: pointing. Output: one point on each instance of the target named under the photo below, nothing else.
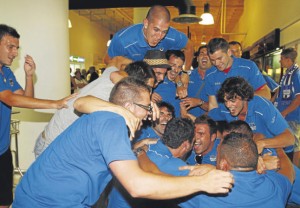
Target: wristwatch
(179, 84)
(139, 151)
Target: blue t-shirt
(7, 82)
(144, 133)
(209, 158)
(130, 42)
(195, 85)
(250, 190)
(167, 90)
(163, 158)
(73, 170)
(295, 193)
(240, 67)
(262, 117)
(289, 89)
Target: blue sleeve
(296, 82)
(256, 79)
(283, 184)
(271, 83)
(180, 39)
(116, 47)
(118, 141)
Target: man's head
(134, 95)
(178, 136)
(176, 60)
(236, 48)
(167, 112)
(219, 53)
(203, 58)
(235, 92)
(159, 63)
(141, 71)
(238, 126)
(237, 152)
(288, 57)
(205, 134)
(156, 24)
(9, 45)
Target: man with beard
(166, 91)
(206, 142)
(197, 100)
(157, 128)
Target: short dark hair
(239, 126)
(290, 53)
(176, 53)
(7, 30)
(128, 89)
(160, 12)
(140, 70)
(239, 150)
(217, 44)
(169, 106)
(199, 49)
(205, 119)
(177, 131)
(234, 86)
(235, 43)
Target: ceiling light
(207, 18)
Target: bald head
(158, 12)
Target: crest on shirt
(252, 126)
(11, 82)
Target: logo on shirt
(217, 83)
(11, 82)
(252, 126)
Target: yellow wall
(87, 40)
(260, 17)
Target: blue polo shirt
(167, 90)
(240, 67)
(73, 170)
(293, 89)
(262, 117)
(145, 133)
(271, 83)
(295, 193)
(194, 87)
(7, 82)
(250, 190)
(130, 42)
(163, 158)
(209, 158)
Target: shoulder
(129, 31)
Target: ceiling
(116, 14)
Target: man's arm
(286, 167)
(212, 102)
(284, 139)
(189, 55)
(29, 68)
(153, 186)
(264, 91)
(294, 104)
(17, 100)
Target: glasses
(147, 108)
(198, 159)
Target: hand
(29, 66)
(63, 103)
(216, 181)
(181, 92)
(155, 111)
(155, 97)
(271, 162)
(261, 167)
(198, 169)
(144, 142)
(184, 113)
(260, 145)
(191, 102)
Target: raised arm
(29, 68)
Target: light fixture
(207, 18)
(110, 37)
(203, 42)
(69, 23)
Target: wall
(260, 17)
(87, 39)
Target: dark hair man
(226, 66)
(12, 95)
(91, 150)
(236, 48)
(238, 154)
(239, 103)
(288, 100)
